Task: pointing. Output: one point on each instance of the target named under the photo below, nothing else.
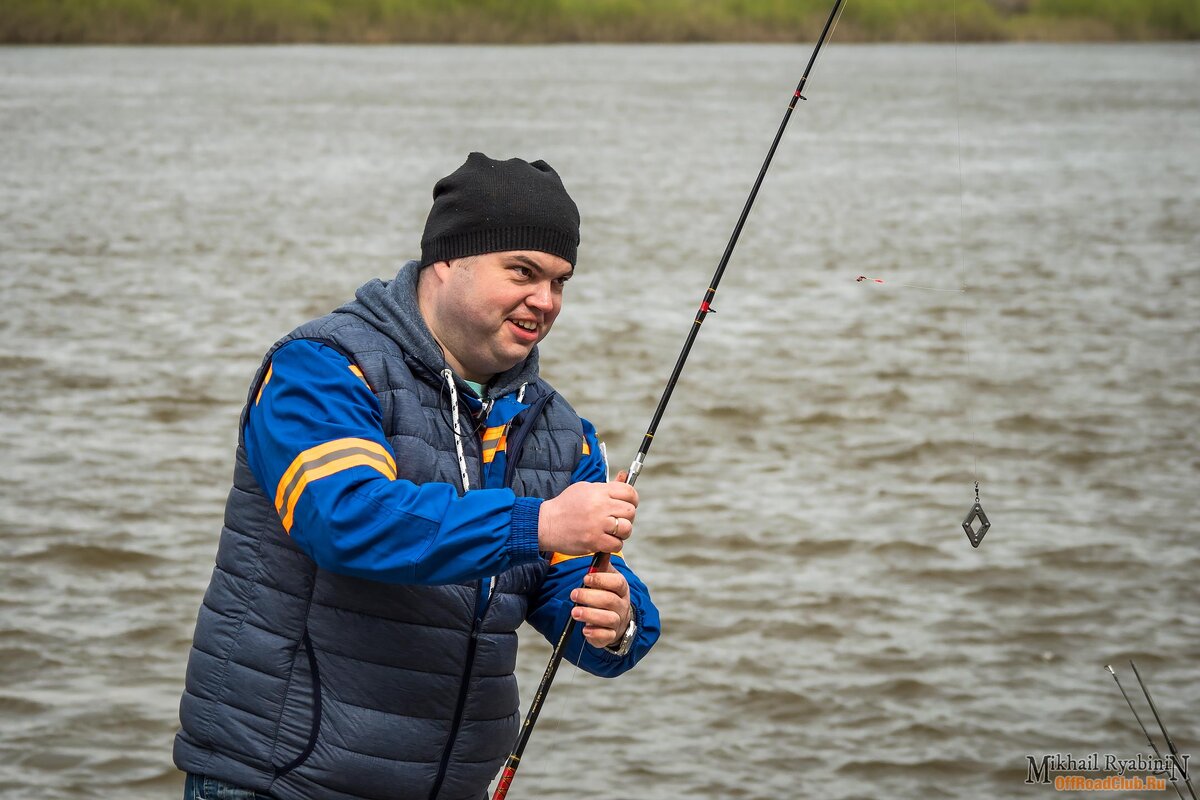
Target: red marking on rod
(705, 308)
(505, 781)
(862, 278)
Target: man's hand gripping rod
(600, 560)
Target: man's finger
(623, 510)
(619, 490)
(599, 637)
(599, 598)
(597, 617)
(621, 529)
(610, 580)
(608, 544)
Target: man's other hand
(602, 607)
(588, 518)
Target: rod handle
(506, 779)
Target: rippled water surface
(166, 214)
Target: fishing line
(833, 27)
(976, 522)
(976, 513)
(862, 278)
(564, 710)
(566, 706)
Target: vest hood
(391, 307)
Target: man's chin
(513, 357)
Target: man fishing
(406, 492)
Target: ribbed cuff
(523, 540)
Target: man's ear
(438, 271)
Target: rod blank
(600, 560)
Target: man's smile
(525, 329)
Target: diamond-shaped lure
(976, 534)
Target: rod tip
(1110, 669)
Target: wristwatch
(621, 648)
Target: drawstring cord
(458, 442)
(448, 374)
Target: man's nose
(542, 297)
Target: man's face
(491, 309)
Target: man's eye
(524, 272)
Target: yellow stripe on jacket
(360, 375)
(266, 380)
(558, 558)
(325, 460)
(495, 440)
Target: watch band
(622, 647)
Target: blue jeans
(199, 787)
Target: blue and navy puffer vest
(308, 684)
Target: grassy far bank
(384, 21)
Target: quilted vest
(308, 684)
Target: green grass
(230, 21)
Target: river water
(166, 214)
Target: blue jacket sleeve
(315, 442)
(551, 607)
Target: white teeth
(529, 326)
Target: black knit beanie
(488, 206)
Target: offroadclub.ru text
(1041, 767)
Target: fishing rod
(1170, 742)
(1157, 753)
(600, 561)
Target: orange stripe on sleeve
(324, 471)
(558, 558)
(361, 377)
(321, 451)
(266, 380)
